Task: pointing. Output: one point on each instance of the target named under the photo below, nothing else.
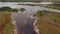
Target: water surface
(24, 23)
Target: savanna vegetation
(6, 26)
(49, 22)
(9, 28)
(54, 6)
(8, 9)
(22, 9)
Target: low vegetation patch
(9, 28)
(54, 6)
(6, 26)
(49, 23)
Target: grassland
(49, 23)
(9, 29)
(6, 26)
(54, 6)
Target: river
(24, 22)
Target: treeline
(9, 9)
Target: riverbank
(15, 26)
(34, 25)
(36, 28)
(6, 26)
(49, 22)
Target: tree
(22, 9)
(5, 8)
(14, 10)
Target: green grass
(9, 28)
(54, 6)
(53, 16)
(44, 22)
(5, 20)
